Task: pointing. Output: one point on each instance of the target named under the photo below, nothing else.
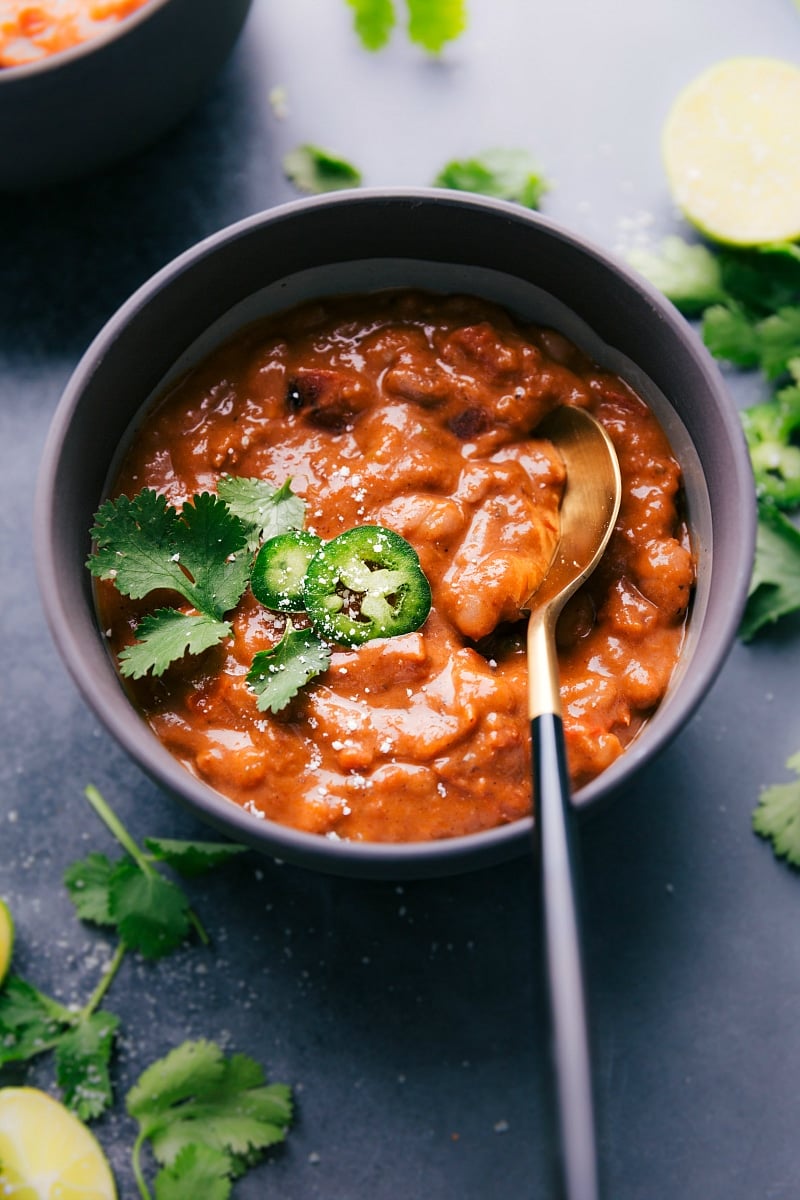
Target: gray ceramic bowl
(358, 241)
(75, 112)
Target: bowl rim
(64, 58)
(377, 859)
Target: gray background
(408, 1016)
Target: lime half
(731, 149)
(6, 940)
(46, 1152)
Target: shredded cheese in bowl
(32, 32)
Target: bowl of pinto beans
(288, 565)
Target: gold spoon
(589, 510)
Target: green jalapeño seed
(366, 583)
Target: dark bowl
(72, 113)
(359, 241)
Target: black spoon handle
(563, 960)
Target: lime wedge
(45, 1151)
(6, 939)
(731, 148)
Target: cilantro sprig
(150, 915)
(149, 912)
(203, 552)
(772, 429)
(431, 23)
(749, 300)
(748, 303)
(775, 582)
(777, 817)
(689, 274)
(278, 674)
(733, 334)
(164, 636)
(434, 23)
(508, 174)
(33, 1023)
(206, 552)
(144, 545)
(264, 510)
(206, 1118)
(314, 170)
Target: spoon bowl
(589, 509)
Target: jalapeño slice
(280, 567)
(366, 583)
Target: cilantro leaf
(777, 816)
(730, 334)
(770, 429)
(749, 299)
(785, 250)
(750, 305)
(82, 1058)
(312, 169)
(151, 913)
(762, 280)
(779, 340)
(266, 511)
(145, 544)
(30, 1021)
(239, 1114)
(147, 523)
(775, 583)
(373, 21)
(195, 1096)
(433, 23)
(152, 916)
(192, 859)
(172, 1079)
(504, 173)
(277, 675)
(209, 544)
(689, 274)
(774, 420)
(88, 882)
(165, 636)
(197, 1171)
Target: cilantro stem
(119, 831)
(56, 1010)
(199, 927)
(44, 1046)
(142, 860)
(106, 980)
(138, 1175)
